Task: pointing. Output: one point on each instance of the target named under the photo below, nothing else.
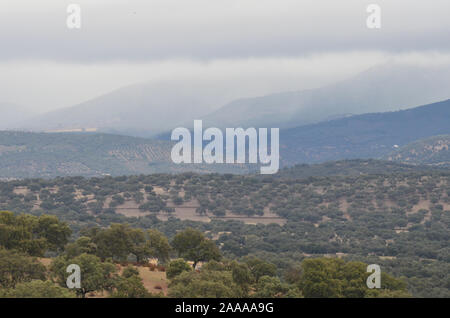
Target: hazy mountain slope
(148, 109)
(141, 109)
(363, 136)
(381, 88)
(433, 150)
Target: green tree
(335, 278)
(31, 234)
(95, 275)
(176, 267)
(242, 276)
(158, 245)
(272, 287)
(82, 245)
(139, 244)
(130, 271)
(129, 285)
(37, 289)
(192, 245)
(260, 268)
(16, 267)
(114, 242)
(55, 232)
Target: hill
(432, 151)
(46, 155)
(363, 136)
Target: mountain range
(373, 115)
(148, 109)
(388, 87)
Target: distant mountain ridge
(382, 88)
(363, 136)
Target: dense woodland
(104, 254)
(398, 220)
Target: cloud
(50, 85)
(216, 29)
(236, 48)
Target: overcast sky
(254, 46)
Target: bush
(176, 267)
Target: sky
(249, 47)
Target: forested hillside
(364, 136)
(124, 262)
(432, 151)
(355, 167)
(399, 220)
